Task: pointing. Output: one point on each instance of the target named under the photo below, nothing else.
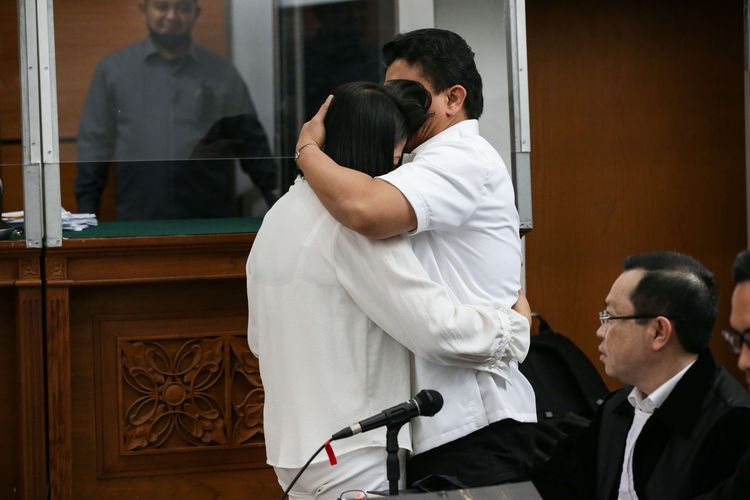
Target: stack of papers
(70, 221)
(13, 217)
(77, 222)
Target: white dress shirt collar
(648, 404)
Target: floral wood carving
(179, 393)
(248, 404)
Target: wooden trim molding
(112, 261)
(20, 269)
(59, 392)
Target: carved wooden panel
(176, 302)
(176, 391)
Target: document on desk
(70, 221)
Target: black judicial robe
(689, 446)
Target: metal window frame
(30, 128)
(49, 124)
(40, 142)
(520, 128)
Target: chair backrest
(564, 379)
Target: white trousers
(362, 469)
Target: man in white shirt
(321, 299)
(455, 196)
(680, 426)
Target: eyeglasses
(605, 317)
(735, 339)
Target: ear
(456, 96)
(198, 11)
(142, 8)
(661, 333)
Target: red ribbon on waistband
(331, 454)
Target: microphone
(426, 403)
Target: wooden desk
(152, 390)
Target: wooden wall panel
(22, 422)
(10, 93)
(8, 395)
(11, 173)
(32, 454)
(637, 145)
(10, 109)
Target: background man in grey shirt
(160, 109)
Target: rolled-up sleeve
(389, 284)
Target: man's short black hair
(741, 269)
(444, 58)
(681, 288)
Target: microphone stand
(393, 469)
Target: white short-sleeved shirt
(320, 297)
(467, 238)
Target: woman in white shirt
(332, 313)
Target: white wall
(482, 24)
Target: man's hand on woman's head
(314, 131)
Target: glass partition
(172, 109)
(189, 109)
(155, 120)
(322, 44)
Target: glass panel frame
(33, 198)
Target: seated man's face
(624, 346)
(740, 321)
(170, 17)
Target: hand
(522, 306)
(315, 130)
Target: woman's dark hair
(444, 58)
(365, 121)
(412, 99)
(741, 269)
